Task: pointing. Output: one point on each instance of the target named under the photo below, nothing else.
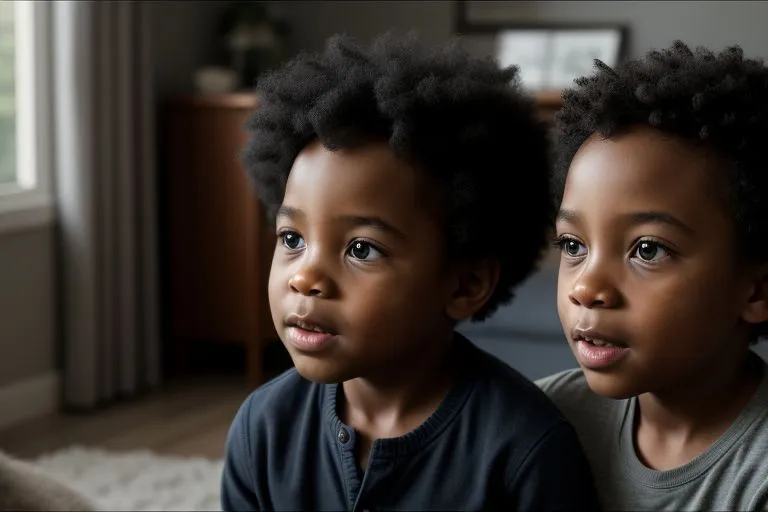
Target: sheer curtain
(104, 177)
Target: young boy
(663, 225)
(392, 173)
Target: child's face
(359, 257)
(649, 264)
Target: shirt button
(343, 436)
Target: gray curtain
(104, 179)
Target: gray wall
(27, 323)
(652, 24)
(185, 33)
(184, 38)
(314, 21)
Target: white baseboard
(14, 221)
(29, 398)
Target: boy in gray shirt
(663, 283)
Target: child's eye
(571, 247)
(650, 251)
(292, 240)
(364, 251)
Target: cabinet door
(220, 249)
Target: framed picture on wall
(573, 53)
(529, 50)
(549, 56)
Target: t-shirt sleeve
(237, 481)
(554, 476)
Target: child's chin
(320, 371)
(610, 385)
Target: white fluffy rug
(136, 480)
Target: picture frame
(549, 56)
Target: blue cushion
(531, 314)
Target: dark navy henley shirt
(495, 442)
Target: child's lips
(595, 349)
(593, 336)
(309, 323)
(596, 357)
(308, 341)
(308, 326)
(308, 333)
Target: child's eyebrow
(353, 220)
(649, 217)
(568, 216)
(655, 217)
(371, 222)
(289, 211)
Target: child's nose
(310, 281)
(593, 290)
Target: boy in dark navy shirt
(410, 192)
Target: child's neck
(400, 399)
(675, 426)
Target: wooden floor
(184, 418)
(189, 416)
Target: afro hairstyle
(718, 102)
(460, 119)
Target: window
(24, 113)
(7, 94)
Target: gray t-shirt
(731, 475)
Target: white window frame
(28, 203)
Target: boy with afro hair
(663, 282)
(410, 191)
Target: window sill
(26, 217)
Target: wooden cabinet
(218, 246)
(548, 102)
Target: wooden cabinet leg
(255, 354)
(180, 366)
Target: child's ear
(474, 285)
(756, 310)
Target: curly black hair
(461, 119)
(718, 102)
